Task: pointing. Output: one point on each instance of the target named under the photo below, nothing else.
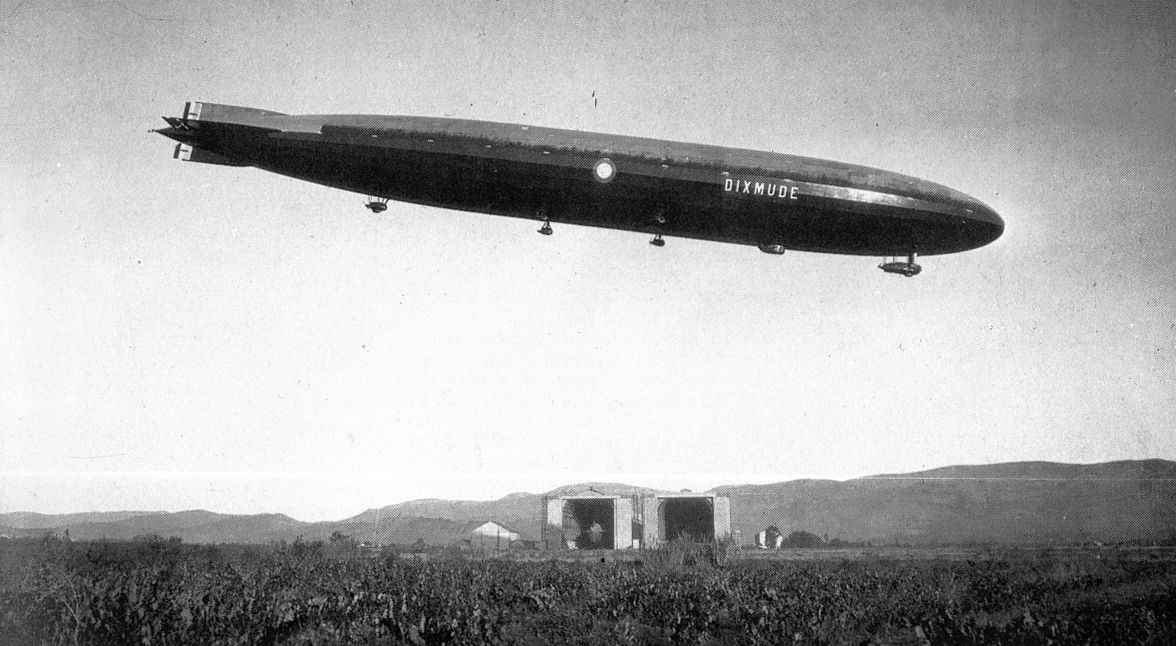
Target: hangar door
(697, 517)
(693, 518)
(592, 522)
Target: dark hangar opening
(693, 518)
(589, 523)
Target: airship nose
(972, 225)
(988, 222)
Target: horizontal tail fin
(220, 113)
(184, 152)
(216, 126)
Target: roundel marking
(604, 170)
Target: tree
(803, 539)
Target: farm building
(596, 520)
(769, 538)
(493, 536)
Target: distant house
(493, 536)
(770, 538)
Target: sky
(177, 336)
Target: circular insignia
(604, 171)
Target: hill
(521, 511)
(1019, 502)
(1023, 502)
(31, 520)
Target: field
(54, 591)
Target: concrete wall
(722, 517)
(654, 517)
(622, 523)
(554, 523)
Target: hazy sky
(179, 336)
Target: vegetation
(156, 591)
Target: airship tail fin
(184, 152)
(221, 113)
(207, 131)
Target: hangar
(591, 519)
(701, 516)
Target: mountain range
(1017, 502)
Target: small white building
(766, 540)
(493, 536)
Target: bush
(56, 592)
(803, 539)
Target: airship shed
(594, 519)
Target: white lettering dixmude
(767, 189)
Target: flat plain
(159, 591)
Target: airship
(773, 201)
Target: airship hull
(769, 200)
